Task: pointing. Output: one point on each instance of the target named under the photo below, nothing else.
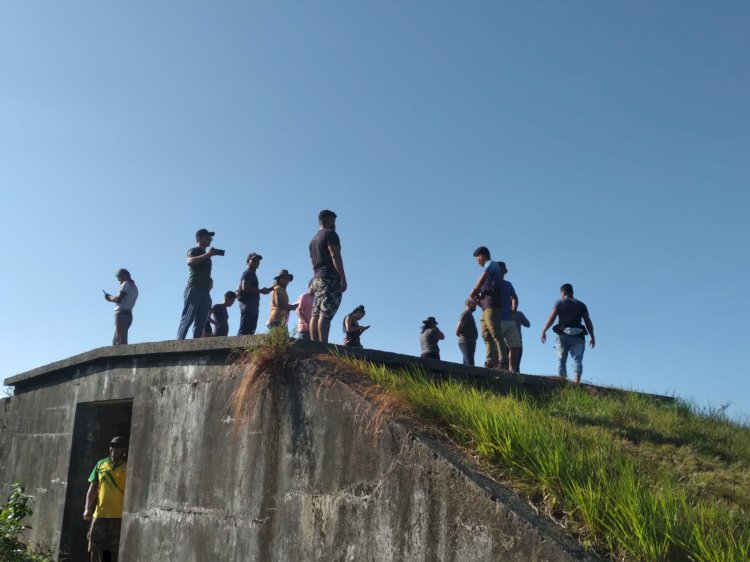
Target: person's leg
(116, 337)
(472, 345)
(464, 347)
(512, 340)
(324, 327)
(318, 297)
(562, 356)
(125, 321)
(203, 307)
(504, 352)
(314, 328)
(491, 357)
(188, 312)
(329, 306)
(518, 359)
(495, 328)
(576, 357)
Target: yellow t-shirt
(111, 479)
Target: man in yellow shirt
(104, 501)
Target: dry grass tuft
(271, 359)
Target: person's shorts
(510, 333)
(104, 534)
(327, 297)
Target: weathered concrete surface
(318, 474)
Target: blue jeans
(248, 319)
(467, 350)
(565, 344)
(195, 312)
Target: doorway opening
(95, 425)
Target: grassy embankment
(631, 477)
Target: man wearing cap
(280, 307)
(104, 501)
(248, 294)
(124, 303)
(197, 293)
(329, 279)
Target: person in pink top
(304, 312)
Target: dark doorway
(95, 425)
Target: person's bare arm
(338, 264)
(478, 285)
(524, 321)
(194, 260)
(91, 497)
(549, 323)
(590, 328)
(440, 335)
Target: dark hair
(361, 308)
(567, 289)
(326, 213)
(230, 294)
(124, 272)
(482, 251)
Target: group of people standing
(500, 321)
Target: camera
(218, 252)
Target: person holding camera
(197, 293)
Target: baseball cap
(204, 232)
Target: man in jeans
(249, 296)
(467, 333)
(197, 293)
(571, 335)
(124, 302)
(486, 292)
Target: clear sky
(598, 143)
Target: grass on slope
(631, 477)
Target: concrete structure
(317, 474)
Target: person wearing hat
(104, 501)
(248, 293)
(329, 279)
(197, 294)
(429, 338)
(280, 307)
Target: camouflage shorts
(104, 534)
(327, 297)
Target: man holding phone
(197, 293)
(124, 303)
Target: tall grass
(571, 455)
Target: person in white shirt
(124, 303)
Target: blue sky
(601, 144)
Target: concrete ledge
(499, 381)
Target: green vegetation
(631, 477)
(12, 516)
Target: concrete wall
(317, 474)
